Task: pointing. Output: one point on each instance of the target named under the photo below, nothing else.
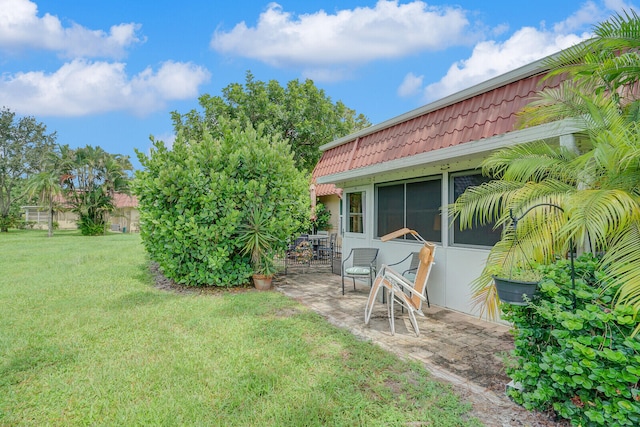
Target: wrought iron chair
(409, 273)
(360, 264)
(326, 250)
(408, 294)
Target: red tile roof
(120, 200)
(483, 115)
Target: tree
(300, 112)
(23, 146)
(90, 180)
(45, 186)
(196, 197)
(598, 191)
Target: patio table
(317, 240)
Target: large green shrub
(574, 352)
(194, 197)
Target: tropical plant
(45, 186)
(90, 180)
(257, 240)
(573, 353)
(598, 190)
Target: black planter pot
(511, 291)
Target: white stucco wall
(454, 270)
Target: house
(405, 171)
(125, 217)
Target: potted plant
(514, 284)
(264, 270)
(257, 241)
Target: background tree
(195, 198)
(300, 112)
(90, 180)
(45, 186)
(23, 146)
(598, 190)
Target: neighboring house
(124, 218)
(406, 170)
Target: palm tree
(598, 191)
(45, 186)
(91, 180)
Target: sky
(109, 73)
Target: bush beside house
(194, 199)
(574, 352)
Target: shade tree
(24, 144)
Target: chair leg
(372, 300)
(414, 322)
(392, 324)
(342, 285)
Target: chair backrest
(425, 258)
(364, 257)
(415, 261)
(302, 238)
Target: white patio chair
(409, 295)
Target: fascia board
(536, 133)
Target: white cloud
(347, 37)
(21, 28)
(81, 88)
(587, 14)
(490, 59)
(619, 6)
(410, 85)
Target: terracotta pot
(511, 291)
(261, 282)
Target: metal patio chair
(408, 294)
(360, 264)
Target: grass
(86, 339)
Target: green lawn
(86, 339)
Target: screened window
(414, 204)
(355, 209)
(479, 235)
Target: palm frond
(622, 262)
(598, 214)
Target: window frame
(454, 228)
(430, 178)
(349, 215)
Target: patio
(456, 348)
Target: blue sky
(109, 72)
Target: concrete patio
(456, 348)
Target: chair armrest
(402, 260)
(400, 283)
(345, 260)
